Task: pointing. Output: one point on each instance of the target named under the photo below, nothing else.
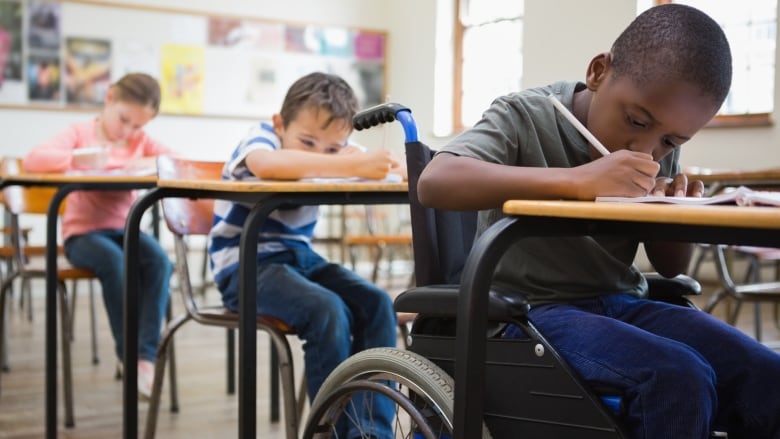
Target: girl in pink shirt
(93, 221)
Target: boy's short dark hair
(675, 42)
(320, 91)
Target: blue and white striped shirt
(284, 228)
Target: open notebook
(391, 178)
(741, 196)
(141, 172)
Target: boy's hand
(623, 173)
(375, 164)
(679, 186)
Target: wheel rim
(411, 419)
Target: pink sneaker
(145, 379)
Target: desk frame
(487, 251)
(65, 184)
(265, 203)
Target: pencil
(580, 127)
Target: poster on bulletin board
(69, 52)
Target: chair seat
(65, 271)
(30, 250)
(222, 316)
(759, 291)
(378, 239)
(761, 253)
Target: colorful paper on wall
(181, 79)
(369, 46)
(87, 70)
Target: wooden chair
(27, 201)
(370, 234)
(752, 289)
(190, 218)
(7, 259)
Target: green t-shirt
(524, 129)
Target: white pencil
(580, 127)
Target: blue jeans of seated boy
(333, 310)
(102, 252)
(682, 372)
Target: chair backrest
(183, 216)
(187, 217)
(442, 239)
(19, 200)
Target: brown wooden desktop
(266, 197)
(718, 179)
(66, 183)
(533, 218)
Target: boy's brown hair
(320, 91)
(138, 88)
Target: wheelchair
(529, 390)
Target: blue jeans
(682, 372)
(102, 252)
(333, 310)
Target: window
(750, 26)
(488, 58)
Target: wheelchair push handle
(385, 113)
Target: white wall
(198, 137)
(560, 37)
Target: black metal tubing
(487, 251)
(132, 233)
(52, 216)
(265, 203)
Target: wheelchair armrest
(442, 300)
(671, 289)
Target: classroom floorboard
(207, 411)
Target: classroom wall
(560, 38)
(201, 137)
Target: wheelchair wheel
(421, 392)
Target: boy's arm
(290, 164)
(669, 258)
(454, 182)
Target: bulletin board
(63, 55)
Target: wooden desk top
(282, 186)
(64, 178)
(733, 176)
(724, 216)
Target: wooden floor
(206, 410)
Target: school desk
(715, 181)
(526, 218)
(266, 196)
(718, 179)
(66, 183)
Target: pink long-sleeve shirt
(87, 211)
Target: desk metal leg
(472, 325)
(130, 375)
(51, 325)
(247, 333)
(51, 316)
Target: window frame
(719, 121)
(736, 120)
(459, 30)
